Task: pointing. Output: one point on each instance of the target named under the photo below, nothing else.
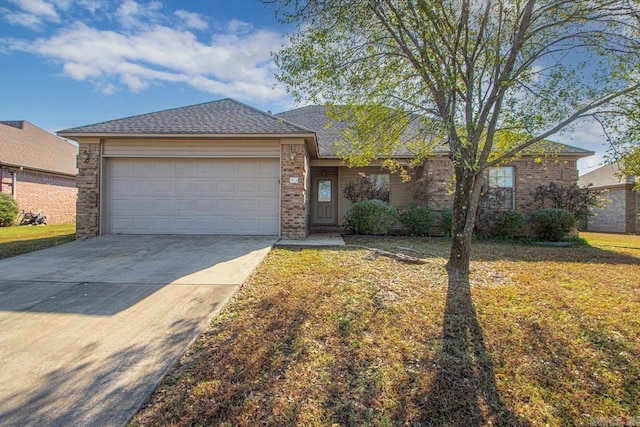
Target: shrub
(552, 224)
(372, 217)
(507, 224)
(446, 221)
(580, 201)
(8, 210)
(492, 207)
(419, 220)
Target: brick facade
(295, 186)
(53, 195)
(294, 201)
(294, 196)
(88, 183)
(528, 174)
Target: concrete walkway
(314, 240)
(88, 329)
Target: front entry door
(324, 201)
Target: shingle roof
(315, 118)
(26, 145)
(606, 176)
(225, 117)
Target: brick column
(88, 183)
(294, 163)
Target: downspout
(14, 180)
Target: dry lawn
(535, 336)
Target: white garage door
(192, 196)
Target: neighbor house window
(381, 183)
(501, 183)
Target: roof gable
(26, 145)
(223, 117)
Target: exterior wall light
(85, 156)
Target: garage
(192, 196)
(221, 167)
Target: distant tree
(631, 161)
(487, 78)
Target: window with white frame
(501, 182)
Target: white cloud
(191, 20)
(587, 134)
(38, 8)
(108, 89)
(91, 5)
(26, 20)
(152, 49)
(237, 26)
(132, 14)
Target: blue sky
(66, 63)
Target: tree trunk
(465, 205)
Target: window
(501, 184)
(381, 183)
(324, 190)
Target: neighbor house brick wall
(88, 183)
(294, 196)
(620, 214)
(610, 219)
(53, 195)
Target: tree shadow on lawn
(264, 364)
(488, 250)
(464, 391)
(498, 251)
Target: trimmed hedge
(552, 224)
(8, 210)
(419, 220)
(507, 224)
(372, 217)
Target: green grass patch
(20, 240)
(534, 336)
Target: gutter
(17, 167)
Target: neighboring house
(620, 215)
(39, 170)
(227, 168)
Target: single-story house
(39, 170)
(224, 167)
(620, 215)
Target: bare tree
(488, 78)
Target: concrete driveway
(88, 329)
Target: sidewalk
(314, 240)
